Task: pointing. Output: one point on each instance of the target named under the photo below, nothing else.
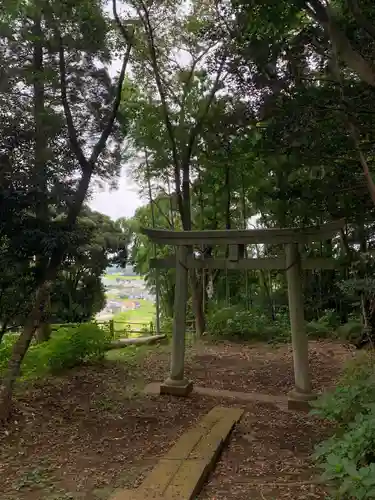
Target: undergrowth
(256, 324)
(348, 457)
(68, 347)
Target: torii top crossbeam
(246, 236)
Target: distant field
(145, 314)
(121, 277)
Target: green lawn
(136, 319)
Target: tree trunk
(197, 302)
(42, 293)
(350, 56)
(3, 330)
(367, 339)
(43, 333)
(196, 289)
(19, 350)
(40, 146)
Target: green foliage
(253, 325)
(343, 404)
(5, 351)
(330, 319)
(350, 331)
(361, 368)
(317, 329)
(166, 325)
(40, 171)
(68, 347)
(348, 458)
(73, 346)
(325, 326)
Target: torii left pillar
(176, 384)
(299, 398)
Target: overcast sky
(121, 202)
(124, 201)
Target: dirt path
(268, 457)
(80, 436)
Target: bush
(68, 347)
(166, 325)
(234, 322)
(351, 331)
(348, 458)
(5, 352)
(318, 330)
(73, 346)
(330, 319)
(342, 405)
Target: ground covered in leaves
(84, 434)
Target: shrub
(318, 330)
(74, 345)
(348, 458)
(252, 324)
(5, 352)
(346, 401)
(166, 325)
(68, 347)
(351, 331)
(330, 319)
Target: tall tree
(176, 97)
(73, 43)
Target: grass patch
(133, 355)
(113, 277)
(144, 315)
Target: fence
(118, 328)
(123, 328)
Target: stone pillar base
(300, 400)
(176, 387)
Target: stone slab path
(181, 473)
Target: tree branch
(360, 18)
(145, 18)
(86, 165)
(73, 137)
(362, 159)
(352, 129)
(200, 120)
(127, 37)
(99, 146)
(155, 66)
(156, 203)
(352, 58)
(72, 133)
(187, 83)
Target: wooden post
(176, 384)
(112, 328)
(302, 392)
(157, 301)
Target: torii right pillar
(302, 394)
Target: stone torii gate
(292, 262)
